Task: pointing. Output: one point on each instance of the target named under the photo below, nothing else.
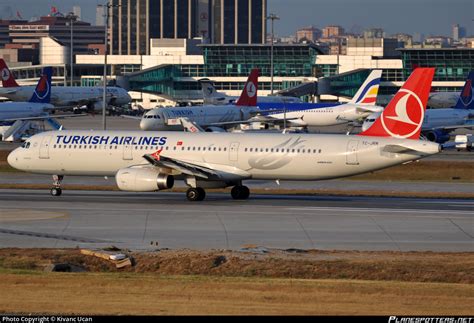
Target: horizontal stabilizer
(400, 149)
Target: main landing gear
(238, 192)
(195, 194)
(56, 190)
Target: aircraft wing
(54, 116)
(453, 127)
(206, 172)
(261, 119)
(13, 91)
(372, 109)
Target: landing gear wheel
(195, 194)
(240, 192)
(56, 191)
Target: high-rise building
(76, 10)
(458, 32)
(238, 21)
(134, 22)
(100, 16)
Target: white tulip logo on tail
(409, 114)
(251, 89)
(5, 74)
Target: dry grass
(312, 264)
(154, 294)
(224, 282)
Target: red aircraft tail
(403, 116)
(248, 97)
(7, 77)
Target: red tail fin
(7, 77)
(248, 97)
(403, 116)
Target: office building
(100, 16)
(134, 22)
(76, 10)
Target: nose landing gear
(56, 190)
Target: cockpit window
(26, 145)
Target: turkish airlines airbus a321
(151, 161)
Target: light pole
(72, 17)
(272, 17)
(106, 36)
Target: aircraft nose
(12, 159)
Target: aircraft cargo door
(234, 151)
(44, 148)
(351, 153)
(127, 152)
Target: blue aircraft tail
(466, 99)
(42, 93)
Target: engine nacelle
(437, 136)
(215, 129)
(143, 180)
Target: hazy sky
(429, 17)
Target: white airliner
(219, 118)
(213, 118)
(211, 96)
(63, 96)
(439, 123)
(15, 116)
(151, 161)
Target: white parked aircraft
(151, 161)
(211, 96)
(16, 116)
(64, 96)
(218, 118)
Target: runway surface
(343, 185)
(32, 218)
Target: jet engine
(214, 129)
(437, 136)
(143, 180)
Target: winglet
(8, 80)
(248, 97)
(403, 116)
(367, 93)
(42, 93)
(466, 99)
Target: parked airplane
(63, 96)
(213, 118)
(329, 114)
(218, 118)
(439, 123)
(211, 96)
(16, 116)
(143, 162)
